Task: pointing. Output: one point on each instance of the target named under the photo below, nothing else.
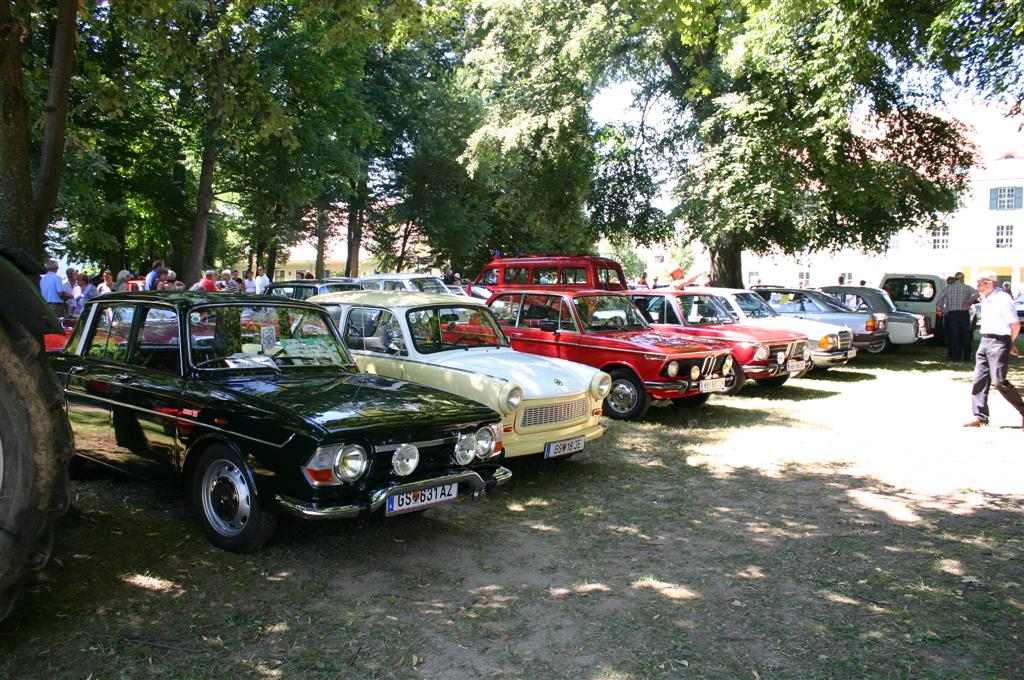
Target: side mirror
(549, 326)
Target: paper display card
(310, 349)
(243, 360)
(268, 337)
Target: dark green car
(255, 407)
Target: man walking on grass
(999, 329)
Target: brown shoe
(977, 422)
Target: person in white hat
(999, 329)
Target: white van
(918, 293)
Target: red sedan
(769, 356)
(605, 330)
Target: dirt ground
(841, 526)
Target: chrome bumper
(477, 482)
(771, 370)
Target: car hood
(357, 401)
(537, 375)
(737, 333)
(815, 330)
(661, 342)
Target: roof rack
(498, 253)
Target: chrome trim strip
(385, 448)
(471, 478)
(303, 510)
(179, 419)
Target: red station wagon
(769, 356)
(605, 330)
(568, 271)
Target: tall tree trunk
(322, 227)
(15, 177)
(727, 262)
(356, 215)
(404, 247)
(201, 226)
(272, 260)
(261, 248)
(51, 161)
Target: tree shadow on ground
(624, 561)
(788, 392)
(845, 375)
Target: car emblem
(558, 382)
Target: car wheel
(692, 402)
(777, 381)
(226, 502)
(877, 348)
(35, 447)
(627, 400)
(739, 381)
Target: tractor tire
(35, 448)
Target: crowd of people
(68, 295)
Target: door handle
(123, 377)
(75, 370)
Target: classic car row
(357, 401)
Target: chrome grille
(535, 416)
(775, 349)
(845, 339)
(712, 364)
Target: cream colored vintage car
(550, 406)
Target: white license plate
(414, 500)
(852, 353)
(714, 385)
(794, 366)
(564, 448)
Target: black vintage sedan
(255, 408)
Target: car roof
(854, 288)
(556, 259)
(309, 282)
(559, 290)
(188, 299)
(389, 298)
(673, 291)
(406, 275)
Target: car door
(546, 326)
(148, 397)
(376, 341)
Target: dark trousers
(958, 334)
(990, 369)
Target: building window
(847, 277)
(660, 259)
(804, 278)
(1005, 198)
(278, 273)
(940, 238)
(1004, 236)
(753, 277)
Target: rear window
(607, 275)
(517, 275)
(574, 275)
(910, 289)
(545, 275)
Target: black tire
(777, 381)
(627, 400)
(224, 498)
(739, 382)
(692, 402)
(35, 447)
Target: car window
(109, 341)
(428, 284)
(910, 289)
(506, 309)
(652, 307)
(538, 308)
(517, 275)
(753, 306)
(702, 310)
(791, 302)
(337, 287)
(157, 345)
(608, 313)
(393, 284)
(437, 329)
(281, 291)
(573, 275)
(368, 329)
(608, 276)
(490, 277)
(545, 275)
(824, 303)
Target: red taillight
(499, 446)
(870, 326)
(320, 475)
(598, 411)
(508, 428)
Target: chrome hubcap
(623, 396)
(226, 498)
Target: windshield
(753, 306)
(703, 310)
(438, 329)
(428, 285)
(607, 313)
(828, 302)
(262, 336)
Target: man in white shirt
(52, 288)
(999, 329)
(250, 283)
(262, 281)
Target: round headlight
(727, 364)
(780, 357)
(405, 460)
(694, 372)
(351, 463)
(484, 442)
(762, 352)
(513, 399)
(807, 352)
(604, 385)
(465, 449)
(672, 369)
(828, 342)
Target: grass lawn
(842, 526)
